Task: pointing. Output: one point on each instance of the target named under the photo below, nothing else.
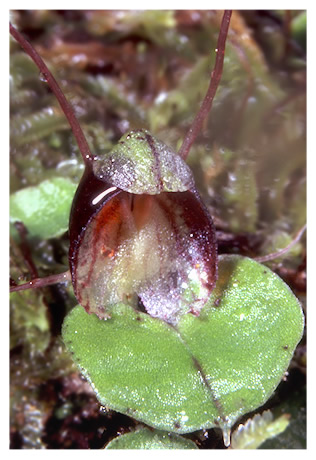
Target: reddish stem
(215, 79)
(66, 107)
(281, 252)
(42, 282)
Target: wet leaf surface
(146, 439)
(44, 209)
(209, 370)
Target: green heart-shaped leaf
(206, 372)
(146, 439)
(44, 209)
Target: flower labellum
(140, 232)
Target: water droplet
(226, 436)
(42, 77)
(161, 97)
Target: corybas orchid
(144, 233)
(138, 230)
(167, 331)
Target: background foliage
(124, 70)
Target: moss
(141, 69)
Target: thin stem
(215, 79)
(281, 252)
(42, 282)
(22, 230)
(287, 32)
(66, 107)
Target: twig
(281, 252)
(66, 107)
(42, 282)
(215, 79)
